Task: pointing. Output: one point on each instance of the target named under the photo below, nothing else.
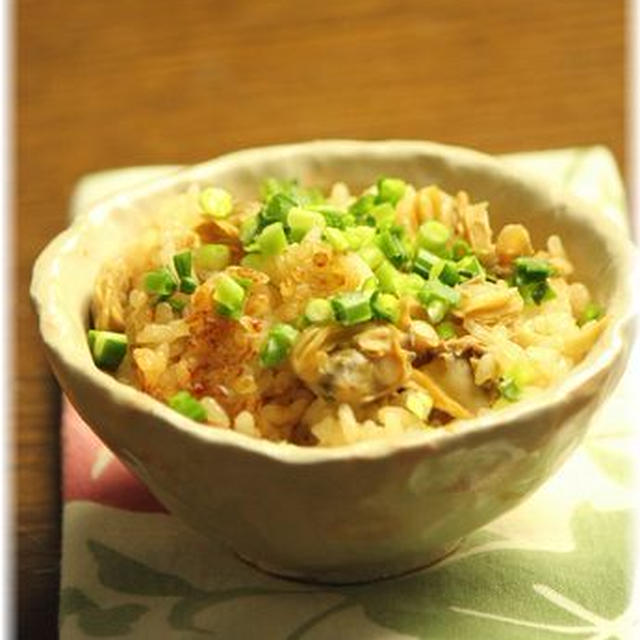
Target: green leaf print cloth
(558, 566)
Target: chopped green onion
(460, 248)
(253, 261)
(433, 236)
(277, 208)
(509, 389)
(336, 239)
(419, 403)
(177, 303)
(389, 277)
(188, 284)
(592, 311)
(361, 207)
(159, 282)
(352, 308)
(469, 267)
(446, 272)
(424, 261)
(410, 284)
(108, 348)
(393, 247)
(302, 196)
(386, 306)
(530, 276)
(182, 263)
(437, 310)
(278, 345)
(300, 322)
(211, 257)
(301, 221)
(446, 330)
(272, 240)
(437, 298)
(449, 274)
(370, 285)
(391, 190)
(249, 229)
(183, 402)
(271, 186)
(229, 295)
(522, 372)
(381, 216)
(334, 217)
(434, 289)
(318, 311)
(531, 270)
(216, 202)
(372, 255)
(536, 292)
(359, 236)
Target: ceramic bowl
(370, 509)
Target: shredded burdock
(325, 319)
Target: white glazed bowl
(365, 510)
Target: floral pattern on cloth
(560, 565)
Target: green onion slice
(188, 284)
(108, 348)
(446, 330)
(182, 263)
(279, 343)
(391, 190)
(360, 236)
(382, 216)
(393, 247)
(509, 389)
(183, 402)
(433, 236)
(460, 248)
(336, 239)
(372, 255)
(277, 208)
(216, 202)
(272, 240)
(424, 261)
(318, 311)
(159, 282)
(390, 279)
(211, 257)
(386, 306)
(531, 270)
(229, 296)
(592, 311)
(249, 229)
(361, 207)
(353, 307)
(469, 267)
(177, 303)
(436, 290)
(301, 221)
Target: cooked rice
(216, 358)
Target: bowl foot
(352, 574)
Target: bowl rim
(492, 425)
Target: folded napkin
(558, 566)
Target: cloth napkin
(558, 566)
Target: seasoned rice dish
(329, 318)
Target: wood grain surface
(103, 84)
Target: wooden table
(103, 84)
